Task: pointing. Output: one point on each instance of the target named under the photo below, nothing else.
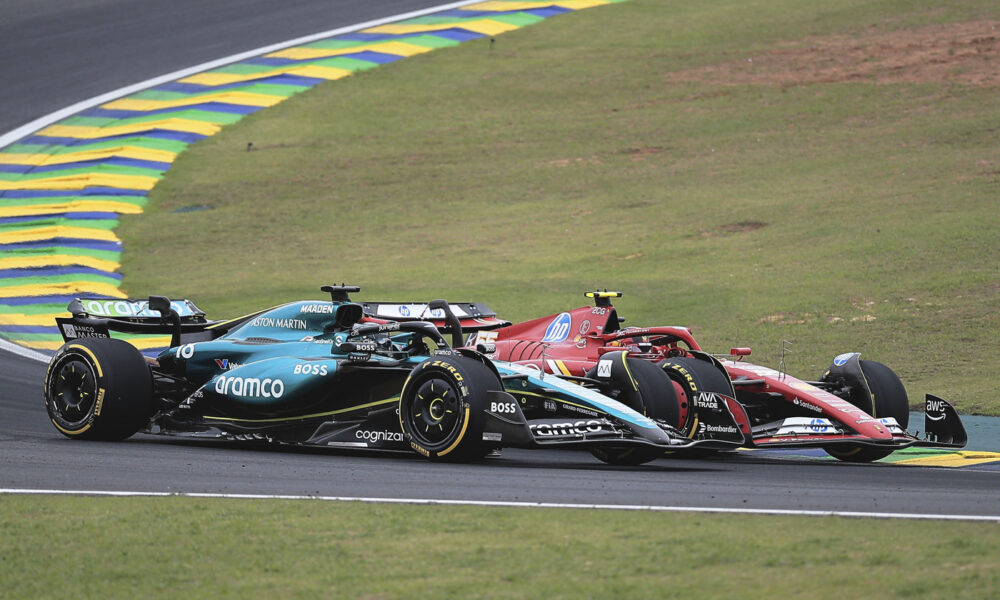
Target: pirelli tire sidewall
(98, 389)
(433, 431)
(692, 376)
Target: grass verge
(181, 547)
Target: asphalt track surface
(56, 53)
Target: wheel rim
(73, 393)
(434, 414)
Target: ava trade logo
(558, 329)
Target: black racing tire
(646, 389)
(888, 399)
(693, 376)
(98, 389)
(442, 408)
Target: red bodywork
(572, 342)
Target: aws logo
(558, 329)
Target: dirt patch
(967, 53)
(741, 227)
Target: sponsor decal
(934, 410)
(558, 329)
(706, 400)
(185, 351)
(309, 369)
(358, 357)
(489, 436)
(842, 359)
(249, 387)
(323, 309)
(226, 365)
(124, 308)
(807, 405)
(706, 428)
(577, 409)
(599, 310)
(819, 425)
(404, 311)
(82, 331)
(368, 347)
(484, 337)
(549, 405)
(501, 408)
(584, 327)
(604, 368)
(374, 437)
(278, 323)
(390, 326)
(574, 428)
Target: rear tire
(652, 395)
(442, 408)
(888, 399)
(98, 389)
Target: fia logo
(558, 329)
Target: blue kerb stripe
(280, 79)
(73, 216)
(52, 271)
(111, 161)
(54, 243)
(215, 107)
(29, 329)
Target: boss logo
(309, 369)
(508, 408)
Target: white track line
(22, 351)
(29, 128)
(499, 504)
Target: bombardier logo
(706, 428)
(249, 387)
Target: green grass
(181, 547)
(843, 216)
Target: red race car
(857, 410)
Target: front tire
(887, 399)
(692, 376)
(442, 408)
(98, 389)
(646, 389)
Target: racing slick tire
(98, 389)
(645, 389)
(887, 399)
(442, 408)
(691, 376)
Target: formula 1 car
(857, 411)
(321, 373)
